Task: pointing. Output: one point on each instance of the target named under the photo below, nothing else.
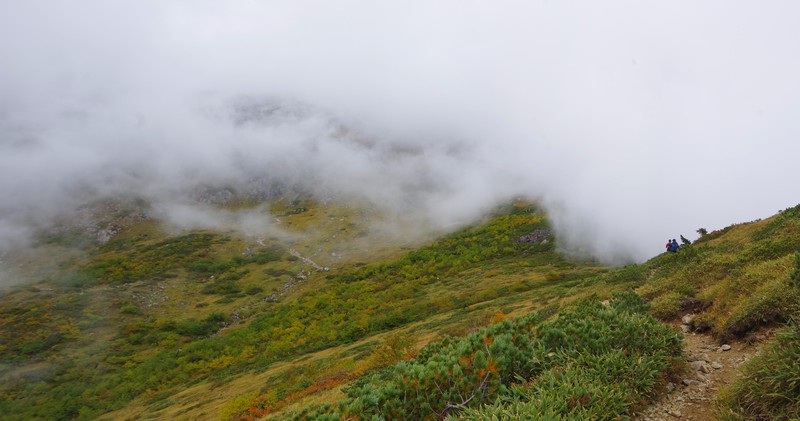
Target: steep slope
(211, 324)
(83, 335)
(729, 284)
(450, 286)
(734, 286)
(151, 313)
(735, 279)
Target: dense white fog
(632, 121)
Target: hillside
(329, 309)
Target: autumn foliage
(496, 362)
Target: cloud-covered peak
(631, 122)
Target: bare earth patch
(711, 367)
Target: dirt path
(711, 367)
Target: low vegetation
(769, 387)
(737, 279)
(133, 324)
(587, 361)
(149, 353)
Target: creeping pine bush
(769, 388)
(589, 360)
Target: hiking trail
(711, 366)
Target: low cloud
(632, 122)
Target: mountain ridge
(505, 267)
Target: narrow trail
(711, 367)
(308, 261)
(280, 292)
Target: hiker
(669, 244)
(673, 247)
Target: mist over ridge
(630, 122)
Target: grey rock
(715, 365)
(700, 366)
(688, 319)
(535, 237)
(725, 347)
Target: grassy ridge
(738, 277)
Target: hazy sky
(633, 121)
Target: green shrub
(794, 276)
(254, 290)
(667, 306)
(195, 328)
(628, 301)
(221, 287)
(190, 327)
(281, 272)
(130, 309)
(208, 266)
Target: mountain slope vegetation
(330, 315)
